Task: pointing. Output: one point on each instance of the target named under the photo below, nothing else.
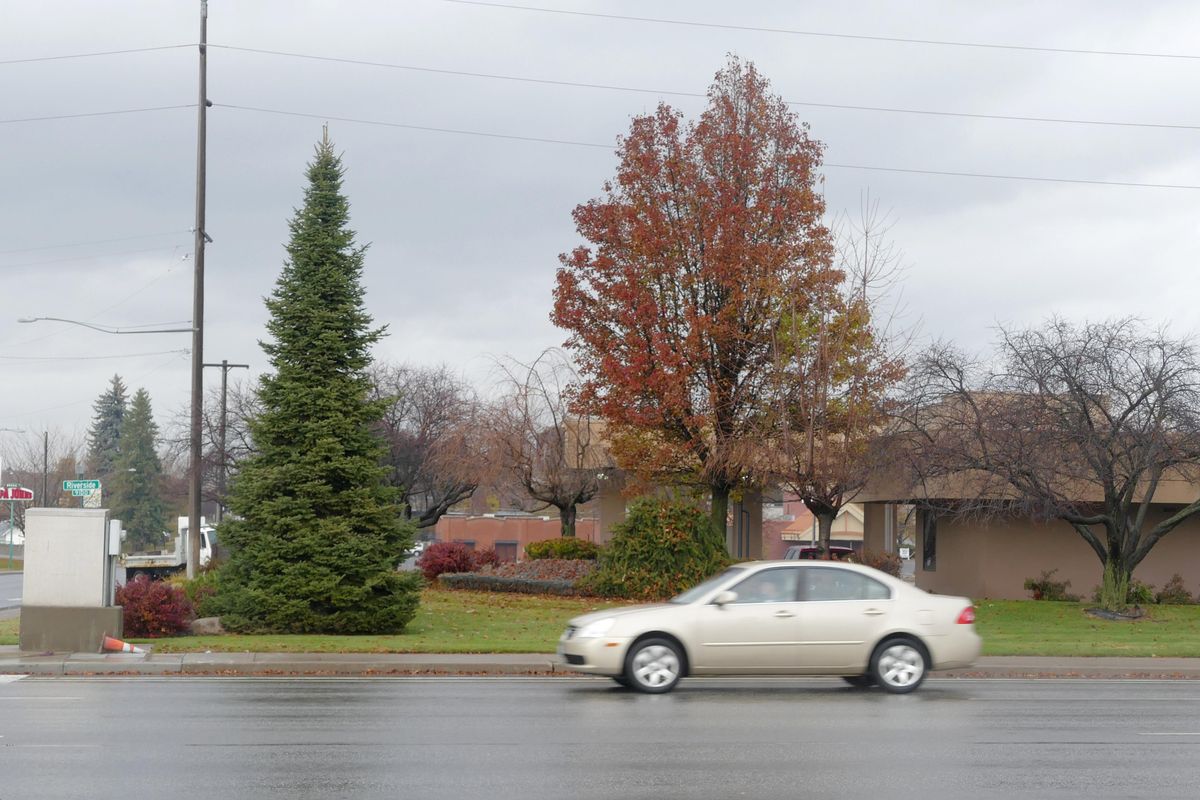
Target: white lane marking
(1170, 733)
(11, 599)
(31, 697)
(11, 678)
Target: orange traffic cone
(111, 645)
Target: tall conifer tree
(316, 534)
(136, 482)
(104, 437)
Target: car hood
(610, 613)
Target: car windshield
(700, 589)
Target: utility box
(67, 593)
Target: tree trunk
(566, 515)
(719, 515)
(825, 530)
(1114, 591)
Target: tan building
(992, 558)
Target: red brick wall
(485, 531)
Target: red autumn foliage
(154, 608)
(710, 233)
(442, 557)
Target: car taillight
(967, 617)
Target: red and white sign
(15, 493)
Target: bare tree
(1082, 424)
(241, 408)
(434, 427)
(553, 454)
(37, 460)
(836, 387)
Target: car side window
(769, 586)
(828, 583)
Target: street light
(105, 328)
(194, 447)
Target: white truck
(164, 563)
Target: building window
(928, 541)
(506, 551)
(470, 543)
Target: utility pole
(225, 367)
(194, 491)
(45, 468)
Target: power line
(88, 258)
(674, 93)
(826, 34)
(93, 358)
(93, 241)
(95, 114)
(94, 55)
(568, 142)
(427, 128)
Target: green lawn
(1029, 628)
(446, 622)
(479, 622)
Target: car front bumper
(596, 655)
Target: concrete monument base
(69, 628)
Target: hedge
(496, 583)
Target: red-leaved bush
(442, 557)
(154, 608)
(486, 558)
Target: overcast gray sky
(465, 230)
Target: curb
(529, 664)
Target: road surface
(583, 738)
(10, 588)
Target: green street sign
(81, 486)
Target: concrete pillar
(610, 510)
(875, 526)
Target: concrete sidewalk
(12, 661)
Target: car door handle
(874, 612)
(781, 613)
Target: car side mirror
(725, 597)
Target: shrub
(660, 549)
(564, 547)
(1046, 588)
(442, 557)
(1173, 592)
(884, 562)
(486, 558)
(564, 569)
(1140, 594)
(496, 583)
(154, 608)
(200, 590)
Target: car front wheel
(653, 666)
(899, 666)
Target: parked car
(814, 553)
(780, 618)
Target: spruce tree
(136, 482)
(104, 437)
(315, 534)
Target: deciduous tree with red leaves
(709, 236)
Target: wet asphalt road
(531, 738)
(10, 587)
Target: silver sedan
(780, 618)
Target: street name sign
(80, 488)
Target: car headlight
(595, 629)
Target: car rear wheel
(653, 666)
(899, 666)
(860, 681)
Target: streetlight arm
(104, 329)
